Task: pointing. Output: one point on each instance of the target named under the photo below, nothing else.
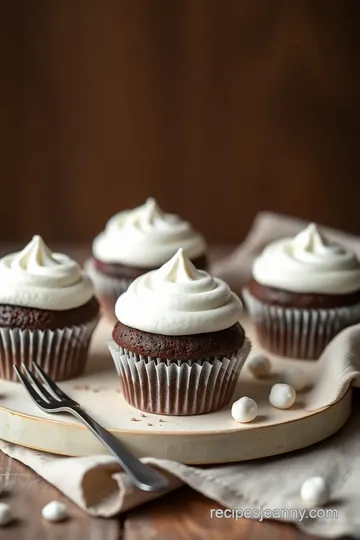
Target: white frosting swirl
(178, 300)
(308, 263)
(146, 237)
(37, 278)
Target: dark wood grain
(218, 109)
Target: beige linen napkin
(97, 485)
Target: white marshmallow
(282, 396)
(259, 366)
(5, 514)
(314, 491)
(55, 511)
(244, 410)
(294, 376)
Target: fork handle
(142, 475)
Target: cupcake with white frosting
(48, 312)
(303, 291)
(178, 345)
(135, 242)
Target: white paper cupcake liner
(298, 333)
(178, 388)
(108, 289)
(61, 353)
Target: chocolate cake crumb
(26, 318)
(182, 348)
(122, 271)
(149, 424)
(284, 298)
(143, 415)
(135, 419)
(161, 420)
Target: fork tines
(41, 388)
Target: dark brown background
(217, 108)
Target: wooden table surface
(182, 515)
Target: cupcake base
(112, 279)
(297, 333)
(61, 353)
(108, 288)
(122, 271)
(169, 387)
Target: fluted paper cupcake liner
(61, 353)
(178, 388)
(108, 289)
(298, 333)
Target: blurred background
(218, 109)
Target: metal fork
(51, 399)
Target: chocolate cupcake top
(178, 300)
(37, 278)
(146, 237)
(308, 263)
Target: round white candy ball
(244, 409)
(5, 514)
(54, 511)
(294, 376)
(259, 366)
(282, 396)
(314, 491)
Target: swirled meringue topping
(308, 263)
(146, 237)
(37, 278)
(178, 300)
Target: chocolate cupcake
(136, 242)
(178, 346)
(302, 293)
(48, 312)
